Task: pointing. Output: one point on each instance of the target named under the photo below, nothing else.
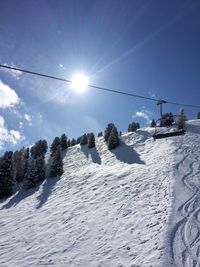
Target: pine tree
(100, 134)
(108, 131)
(181, 119)
(91, 140)
(73, 142)
(68, 143)
(56, 168)
(54, 145)
(84, 140)
(198, 115)
(153, 123)
(6, 175)
(113, 140)
(35, 171)
(63, 142)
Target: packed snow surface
(135, 206)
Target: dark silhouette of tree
(91, 140)
(73, 142)
(63, 142)
(153, 123)
(84, 140)
(56, 168)
(108, 131)
(198, 115)
(113, 139)
(54, 145)
(6, 175)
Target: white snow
(135, 206)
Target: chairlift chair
(158, 134)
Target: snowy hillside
(135, 206)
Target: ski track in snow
(185, 243)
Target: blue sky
(146, 47)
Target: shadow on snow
(20, 195)
(92, 152)
(47, 189)
(127, 154)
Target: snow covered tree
(84, 140)
(91, 140)
(56, 168)
(63, 142)
(113, 139)
(108, 131)
(181, 119)
(54, 145)
(198, 115)
(153, 123)
(6, 175)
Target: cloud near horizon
(145, 114)
(9, 136)
(8, 96)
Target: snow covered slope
(134, 206)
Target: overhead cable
(97, 87)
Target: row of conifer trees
(28, 167)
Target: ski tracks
(185, 244)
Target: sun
(79, 82)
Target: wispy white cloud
(145, 114)
(8, 96)
(14, 73)
(28, 119)
(9, 136)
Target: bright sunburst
(79, 82)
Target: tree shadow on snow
(47, 189)
(92, 152)
(19, 196)
(127, 154)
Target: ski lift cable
(97, 87)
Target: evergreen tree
(113, 139)
(91, 140)
(84, 140)
(78, 140)
(137, 125)
(153, 123)
(6, 175)
(167, 119)
(181, 119)
(39, 149)
(100, 134)
(29, 179)
(73, 142)
(63, 142)
(198, 115)
(108, 131)
(35, 171)
(19, 162)
(56, 168)
(54, 145)
(68, 143)
(132, 127)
